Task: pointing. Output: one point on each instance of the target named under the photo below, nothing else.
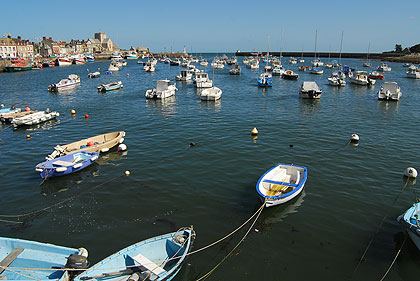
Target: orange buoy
(27, 109)
(28, 136)
(91, 143)
(86, 116)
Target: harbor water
(350, 203)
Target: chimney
(44, 38)
(19, 37)
(9, 36)
(50, 38)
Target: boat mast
(368, 52)
(281, 45)
(316, 36)
(341, 47)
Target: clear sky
(221, 25)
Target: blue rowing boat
(264, 80)
(158, 258)
(281, 183)
(26, 260)
(411, 221)
(66, 164)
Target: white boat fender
(121, 140)
(106, 149)
(93, 158)
(60, 169)
(39, 170)
(78, 165)
(83, 252)
(410, 172)
(354, 138)
(57, 114)
(122, 147)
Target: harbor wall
(379, 56)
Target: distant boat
(202, 80)
(361, 78)
(132, 55)
(67, 83)
(30, 260)
(163, 90)
(337, 78)
(185, 75)
(310, 90)
(235, 70)
(367, 64)
(64, 61)
(35, 118)
(413, 72)
(384, 67)
(211, 94)
(389, 91)
(159, 258)
(265, 80)
(281, 183)
(376, 75)
(316, 70)
(290, 75)
(94, 74)
(110, 87)
(278, 70)
(66, 164)
(17, 65)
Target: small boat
(290, 75)
(94, 74)
(35, 118)
(70, 82)
(337, 79)
(264, 80)
(293, 60)
(217, 64)
(268, 68)
(235, 70)
(413, 72)
(163, 90)
(211, 94)
(90, 58)
(159, 258)
(411, 222)
(281, 183)
(66, 164)
(302, 68)
(149, 67)
(232, 60)
(367, 64)
(113, 66)
(17, 65)
(203, 62)
(361, 78)
(376, 75)
(389, 91)
(254, 64)
(316, 70)
(175, 62)
(12, 109)
(329, 65)
(185, 75)
(64, 61)
(79, 60)
(310, 90)
(278, 70)
(32, 260)
(100, 143)
(317, 63)
(202, 80)
(110, 87)
(132, 55)
(384, 67)
(8, 117)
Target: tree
(398, 48)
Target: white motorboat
(281, 184)
(64, 61)
(278, 70)
(310, 90)
(211, 94)
(413, 72)
(132, 55)
(217, 64)
(316, 70)
(361, 78)
(35, 118)
(389, 91)
(254, 64)
(202, 80)
(317, 63)
(164, 89)
(113, 66)
(94, 74)
(185, 75)
(149, 67)
(235, 70)
(203, 62)
(70, 82)
(116, 55)
(367, 64)
(293, 60)
(384, 67)
(337, 79)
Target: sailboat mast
(341, 47)
(368, 52)
(316, 37)
(281, 45)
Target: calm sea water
(320, 235)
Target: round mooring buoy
(410, 172)
(127, 173)
(122, 147)
(86, 116)
(27, 108)
(354, 137)
(254, 131)
(73, 112)
(28, 136)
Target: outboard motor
(77, 262)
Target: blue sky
(221, 26)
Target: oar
(125, 271)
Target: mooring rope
(395, 258)
(378, 229)
(18, 273)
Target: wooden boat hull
(159, 258)
(34, 255)
(281, 183)
(100, 143)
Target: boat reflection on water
(166, 106)
(271, 216)
(385, 106)
(309, 106)
(61, 184)
(111, 158)
(216, 105)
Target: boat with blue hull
(281, 183)
(411, 222)
(265, 80)
(157, 258)
(66, 164)
(29, 260)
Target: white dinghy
(163, 90)
(281, 183)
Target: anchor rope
(395, 258)
(377, 230)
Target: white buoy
(354, 137)
(410, 172)
(122, 147)
(127, 173)
(2, 105)
(254, 132)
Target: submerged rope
(395, 258)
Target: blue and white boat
(110, 87)
(411, 221)
(281, 183)
(157, 258)
(30, 260)
(264, 80)
(66, 164)
(12, 109)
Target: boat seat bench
(9, 259)
(148, 264)
(280, 182)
